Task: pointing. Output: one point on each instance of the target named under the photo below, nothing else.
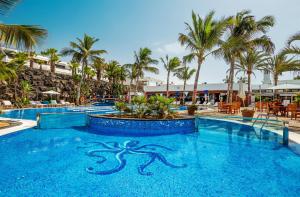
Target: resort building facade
(216, 92)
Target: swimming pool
(222, 159)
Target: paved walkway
(25, 124)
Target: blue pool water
(31, 114)
(222, 159)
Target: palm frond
(6, 5)
(293, 38)
(22, 36)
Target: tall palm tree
(244, 33)
(185, 74)
(280, 63)
(132, 74)
(143, 63)
(171, 65)
(53, 56)
(99, 66)
(112, 74)
(82, 51)
(250, 61)
(202, 36)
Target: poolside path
(14, 125)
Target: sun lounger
(7, 104)
(54, 103)
(36, 104)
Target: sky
(124, 26)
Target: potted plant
(248, 114)
(191, 109)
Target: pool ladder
(266, 120)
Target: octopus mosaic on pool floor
(122, 149)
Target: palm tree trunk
(15, 89)
(98, 75)
(183, 93)
(31, 63)
(168, 78)
(196, 81)
(249, 87)
(52, 65)
(230, 84)
(136, 85)
(129, 98)
(275, 79)
(78, 94)
(275, 84)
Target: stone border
(139, 119)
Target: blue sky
(124, 26)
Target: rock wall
(42, 81)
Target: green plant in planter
(160, 106)
(140, 107)
(122, 107)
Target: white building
(60, 67)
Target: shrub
(156, 106)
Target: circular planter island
(108, 125)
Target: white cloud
(171, 48)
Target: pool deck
(24, 124)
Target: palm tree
(6, 72)
(82, 51)
(171, 65)
(26, 88)
(243, 34)
(202, 36)
(18, 63)
(40, 63)
(112, 74)
(185, 74)
(99, 66)
(131, 74)
(143, 62)
(250, 61)
(280, 63)
(123, 74)
(74, 67)
(89, 72)
(53, 56)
